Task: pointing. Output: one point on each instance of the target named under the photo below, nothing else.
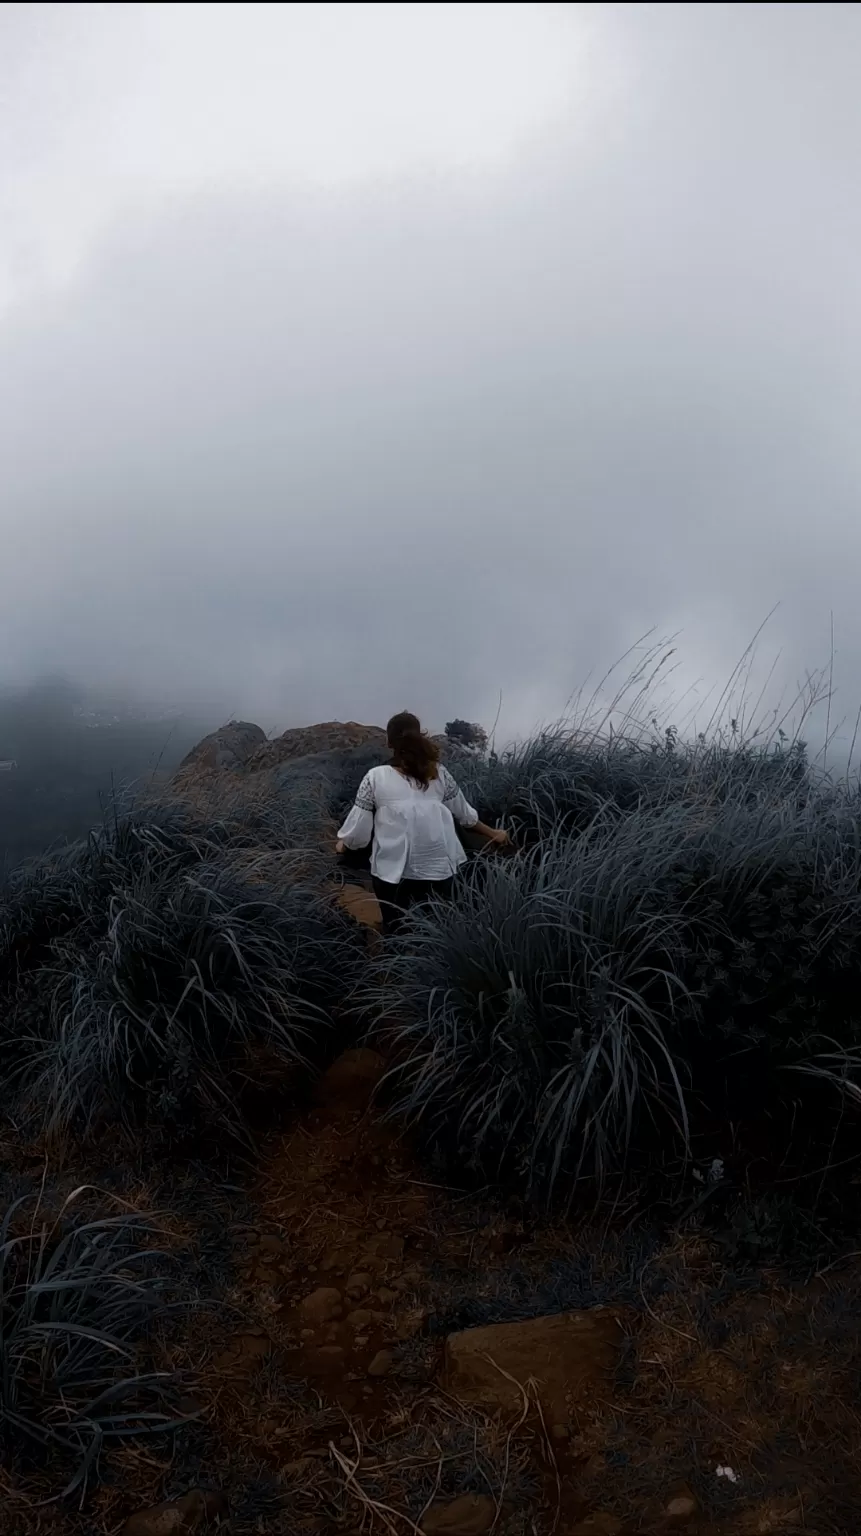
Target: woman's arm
(358, 829)
(462, 811)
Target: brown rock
(309, 740)
(174, 1518)
(387, 1248)
(470, 1515)
(385, 1297)
(567, 1355)
(272, 1244)
(358, 1285)
(229, 747)
(360, 1318)
(598, 1524)
(336, 1259)
(411, 1323)
(362, 906)
(322, 1306)
(382, 1363)
(245, 1353)
(682, 1505)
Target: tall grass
(79, 1301)
(536, 1015)
(139, 970)
(624, 987)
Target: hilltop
(542, 1218)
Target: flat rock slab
(567, 1355)
(362, 905)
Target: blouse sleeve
(457, 803)
(358, 829)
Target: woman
(409, 808)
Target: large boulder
(231, 746)
(309, 740)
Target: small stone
(322, 1305)
(176, 1516)
(387, 1248)
(682, 1505)
(358, 1285)
(360, 1318)
(559, 1431)
(470, 1515)
(381, 1224)
(411, 1323)
(601, 1523)
(407, 1281)
(361, 1341)
(385, 1296)
(307, 1333)
(382, 1363)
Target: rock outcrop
(231, 746)
(308, 740)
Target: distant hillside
(70, 752)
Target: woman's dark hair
(413, 752)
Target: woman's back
(413, 825)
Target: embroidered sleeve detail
(449, 787)
(365, 796)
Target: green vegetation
(140, 968)
(79, 1299)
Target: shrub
(464, 733)
(565, 777)
(78, 1301)
(139, 973)
(618, 990)
(536, 1014)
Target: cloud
(316, 451)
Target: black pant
(396, 900)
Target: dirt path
(340, 1388)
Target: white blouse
(412, 828)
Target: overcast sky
(355, 357)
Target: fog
(358, 358)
